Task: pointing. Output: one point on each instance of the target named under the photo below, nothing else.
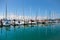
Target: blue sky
(31, 7)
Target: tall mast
(36, 15)
(23, 13)
(54, 15)
(30, 13)
(49, 14)
(6, 10)
(23, 9)
(46, 14)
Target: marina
(5, 21)
(29, 20)
(23, 22)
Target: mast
(31, 18)
(46, 13)
(6, 10)
(23, 12)
(49, 13)
(36, 16)
(30, 13)
(23, 9)
(53, 15)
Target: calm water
(37, 32)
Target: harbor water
(33, 32)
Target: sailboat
(36, 18)
(6, 22)
(24, 21)
(16, 22)
(31, 21)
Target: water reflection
(30, 32)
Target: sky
(41, 8)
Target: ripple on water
(34, 32)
